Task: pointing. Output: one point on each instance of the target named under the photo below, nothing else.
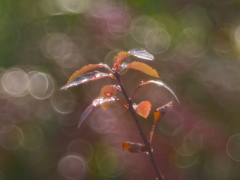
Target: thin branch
(135, 117)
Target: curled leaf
(134, 147)
(143, 109)
(163, 110)
(159, 83)
(87, 68)
(158, 114)
(90, 76)
(96, 102)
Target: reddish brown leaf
(107, 92)
(138, 52)
(118, 59)
(90, 76)
(164, 109)
(143, 68)
(86, 69)
(134, 147)
(143, 109)
(156, 116)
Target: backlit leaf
(158, 114)
(107, 92)
(143, 68)
(95, 103)
(138, 52)
(134, 147)
(159, 83)
(163, 110)
(90, 76)
(141, 53)
(118, 59)
(143, 109)
(88, 68)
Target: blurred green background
(196, 45)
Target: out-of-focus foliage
(196, 45)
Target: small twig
(135, 117)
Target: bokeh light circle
(15, 82)
(141, 26)
(73, 6)
(100, 9)
(110, 163)
(41, 85)
(5, 124)
(72, 166)
(81, 147)
(157, 40)
(12, 139)
(106, 123)
(233, 147)
(182, 142)
(63, 102)
(33, 138)
(185, 162)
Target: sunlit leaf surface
(159, 83)
(138, 52)
(118, 59)
(86, 69)
(141, 53)
(90, 76)
(163, 110)
(96, 102)
(134, 147)
(143, 109)
(143, 68)
(158, 114)
(107, 92)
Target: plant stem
(135, 117)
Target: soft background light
(196, 45)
